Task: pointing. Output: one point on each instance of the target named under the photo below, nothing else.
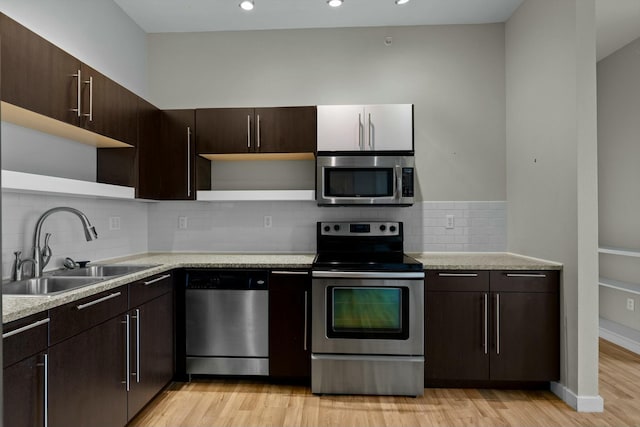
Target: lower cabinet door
(152, 359)
(289, 325)
(23, 397)
(526, 336)
(87, 378)
(456, 336)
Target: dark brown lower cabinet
(489, 328)
(87, 376)
(23, 396)
(289, 325)
(151, 356)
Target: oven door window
(368, 312)
(358, 182)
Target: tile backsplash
(233, 226)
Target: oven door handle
(367, 275)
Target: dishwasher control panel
(228, 279)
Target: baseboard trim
(619, 339)
(579, 403)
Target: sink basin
(102, 271)
(43, 286)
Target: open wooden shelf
(619, 285)
(258, 156)
(619, 251)
(256, 195)
(41, 184)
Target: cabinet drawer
(78, 316)
(525, 281)
(456, 281)
(25, 337)
(149, 288)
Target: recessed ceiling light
(334, 3)
(401, 2)
(246, 4)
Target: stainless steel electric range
(367, 313)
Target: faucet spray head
(90, 232)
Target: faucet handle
(70, 263)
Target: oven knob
(383, 227)
(392, 229)
(327, 228)
(336, 227)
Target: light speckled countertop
(17, 307)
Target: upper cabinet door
(340, 127)
(224, 130)
(389, 127)
(175, 159)
(365, 128)
(285, 130)
(36, 75)
(108, 108)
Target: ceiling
(617, 21)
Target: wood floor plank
(241, 402)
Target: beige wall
(619, 176)
(453, 74)
(552, 166)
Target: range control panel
(373, 228)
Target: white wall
(552, 169)
(453, 74)
(619, 175)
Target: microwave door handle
(398, 173)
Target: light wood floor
(249, 403)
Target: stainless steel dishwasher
(227, 322)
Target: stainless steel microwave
(365, 180)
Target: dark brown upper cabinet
(174, 158)
(108, 108)
(256, 130)
(38, 76)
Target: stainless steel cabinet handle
(248, 131)
(137, 372)
(258, 131)
(45, 393)
(291, 273)
(188, 161)
(156, 280)
(497, 323)
(99, 300)
(78, 110)
(360, 132)
(26, 328)
(90, 83)
(458, 274)
(526, 275)
(306, 305)
(127, 351)
(371, 132)
(486, 323)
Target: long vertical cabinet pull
(258, 132)
(248, 131)
(78, 110)
(371, 133)
(360, 132)
(188, 161)
(498, 324)
(46, 390)
(90, 83)
(306, 308)
(486, 323)
(137, 373)
(127, 351)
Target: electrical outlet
(267, 221)
(450, 222)
(114, 223)
(182, 222)
(631, 304)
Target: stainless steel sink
(106, 271)
(43, 286)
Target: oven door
(368, 315)
(364, 180)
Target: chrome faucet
(42, 255)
